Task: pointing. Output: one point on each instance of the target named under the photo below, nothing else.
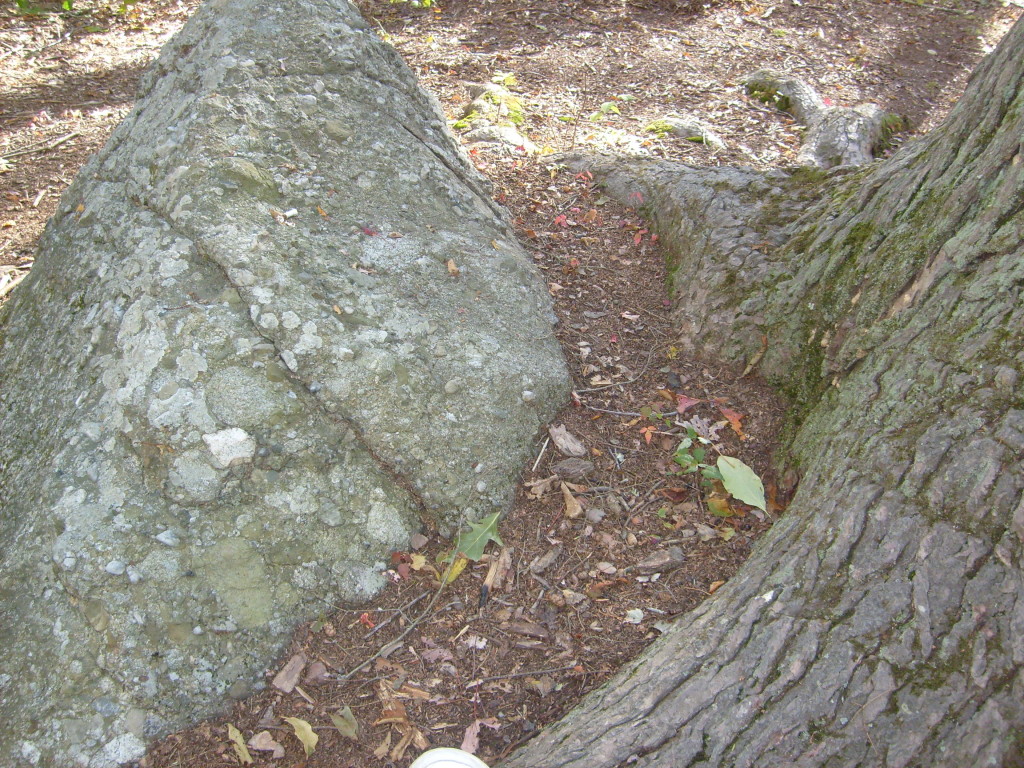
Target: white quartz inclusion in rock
(230, 446)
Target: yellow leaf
(418, 562)
(457, 567)
(452, 269)
(238, 743)
(322, 212)
(304, 733)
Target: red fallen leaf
(648, 432)
(639, 236)
(561, 220)
(366, 621)
(734, 420)
(585, 176)
(636, 197)
(684, 403)
(370, 231)
(614, 338)
(531, 234)
(403, 570)
(654, 238)
(399, 557)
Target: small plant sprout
(738, 480)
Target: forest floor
(598, 552)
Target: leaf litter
(523, 631)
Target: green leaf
(473, 542)
(346, 723)
(712, 473)
(741, 482)
(304, 733)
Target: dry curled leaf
(566, 442)
(317, 674)
(537, 488)
(685, 403)
(542, 686)
(286, 679)
(573, 508)
(383, 747)
(264, 742)
(471, 737)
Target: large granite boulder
(275, 324)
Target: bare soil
(592, 565)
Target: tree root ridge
(879, 622)
(835, 136)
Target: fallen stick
(40, 146)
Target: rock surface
(275, 323)
(689, 128)
(493, 117)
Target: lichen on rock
(225, 384)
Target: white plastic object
(446, 757)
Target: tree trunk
(881, 621)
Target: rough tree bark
(881, 622)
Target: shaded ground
(575, 590)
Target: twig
(9, 286)
(626, 413)
(606, 386)
(541, 454)
(412, 625)
(957, 11)
(398, 612)
(481, 680)
(623, 383)
(40, 146)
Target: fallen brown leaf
(286, 679)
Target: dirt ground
(599, 550)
